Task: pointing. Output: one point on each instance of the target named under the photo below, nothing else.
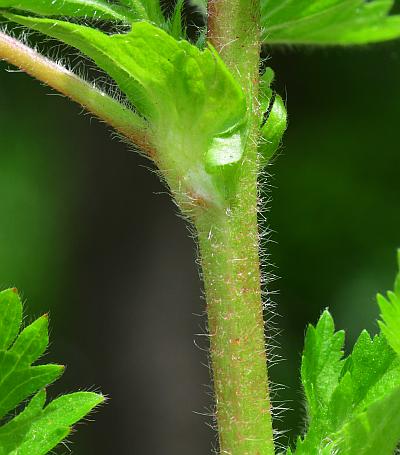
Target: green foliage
(273, 129)
(374, 431)
(196, 118)
(195, 108)
(128, 12)
(390, 314)
(274, 119)
(38, 428)
(95, 9)
(328, 22)
(321, 362)
(165, 78)
(354, 403)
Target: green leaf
(320, 372)
(152, 11)
(32, 341)
(18, 378)
(390, 314)
(193, 103)
(175, 26)
(274, 118)
(161, 76)
(273, 130)
(37, 429)
(340, 404)
(14, 432)
(152, 8)
(328, 22)
(94, 9)
(11, 311)
(339, 391)
(374, 369)
(321, 362)
(374, 431)
(129, 11)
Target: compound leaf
(328, 22)
(18, 378)
(353, 404)
(37, 429)
(347, 389)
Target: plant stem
(234, 30)
(69, 84)
(229, 248)
(229, 252)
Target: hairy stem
(69, 84)
(229, 248)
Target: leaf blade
(11, 309)
(94, 9)
(367, 391)
(18, 384)
(321, 361)
(273, 130)
(32, 341)
(376, 430)
(38, 429)
(329, 22)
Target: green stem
(229, 252)
(229, 248)
(69, 84)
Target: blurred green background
(89, 234)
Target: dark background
(89, 234)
